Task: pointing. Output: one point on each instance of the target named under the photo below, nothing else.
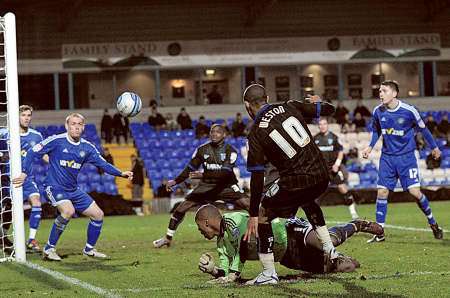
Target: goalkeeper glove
(206, 264)
(230, 278)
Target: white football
(129, 104)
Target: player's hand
(335, 168)
(252, 228)
(314, 99)
(18, 181)
(128, 175)
(436, 153)
(206, 264)
(196, 175)
(366, 152)
(170, 184)
(230, 278)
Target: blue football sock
(35, 219)
(58, 227)
(424, 205)
(93, 232)
(381, 210)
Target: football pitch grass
(410, 263)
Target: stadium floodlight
(9, 120)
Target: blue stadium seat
(108, 179)
(445, 164)
(82, 178)
(94, 177)
(84, 187)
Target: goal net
(12, 236)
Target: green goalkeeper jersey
(228, 244)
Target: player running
(67, 153)
(28, 138)
(218, 180)
(331, 149)
(280, 136)
(296, 245)
(398, 122)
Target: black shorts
(281, 202)
(300, 256)
(206, 192)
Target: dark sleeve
(256, 191)
(313, 110)
(193, 165)
(337, 145)
(255, 158)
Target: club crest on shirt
(82, 153)
(400, 120)
(330, 141)
(222, 156)
(205, 156)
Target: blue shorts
(80, 200)
(29, 189)
(394, 167)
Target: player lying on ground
(331, 149)
(296, 244)
(281, 137)
(218, 180)
(28, 138)
(68, 152)
(398, 122)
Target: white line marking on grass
(403, 228)
(73, 281)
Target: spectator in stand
(119, 127)
(341, 112)
(153, 103)
(362, 109)
(184, 120)
(214, 97)
(431, 125)
(106, 127)
(202, 129)
(162, 191)
(126, 128)
(171, 123)
(443, 126)
(107, 156)
(351, 158)
(156, 120)
(359, 122)
(238, 126)
(348, 126)
(137, 182)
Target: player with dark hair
(398, 123)
(281, 137)
(67, 153)
(28, 138)
(296, 245)
(218, 181)
(331, 149)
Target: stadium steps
(122, 160)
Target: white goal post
(10, 98)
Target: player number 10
(296, 131)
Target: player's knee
(68, 212)
(383, 192)
(35, 201)
(98, 215)
(415, 192)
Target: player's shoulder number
(293, 127)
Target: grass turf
(408, 264)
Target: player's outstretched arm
(313, 107)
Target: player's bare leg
(175, 220)
(424, 205)
(35, 218)
(93, 231)
(349, 200)
(66, 211)
(381, 211)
